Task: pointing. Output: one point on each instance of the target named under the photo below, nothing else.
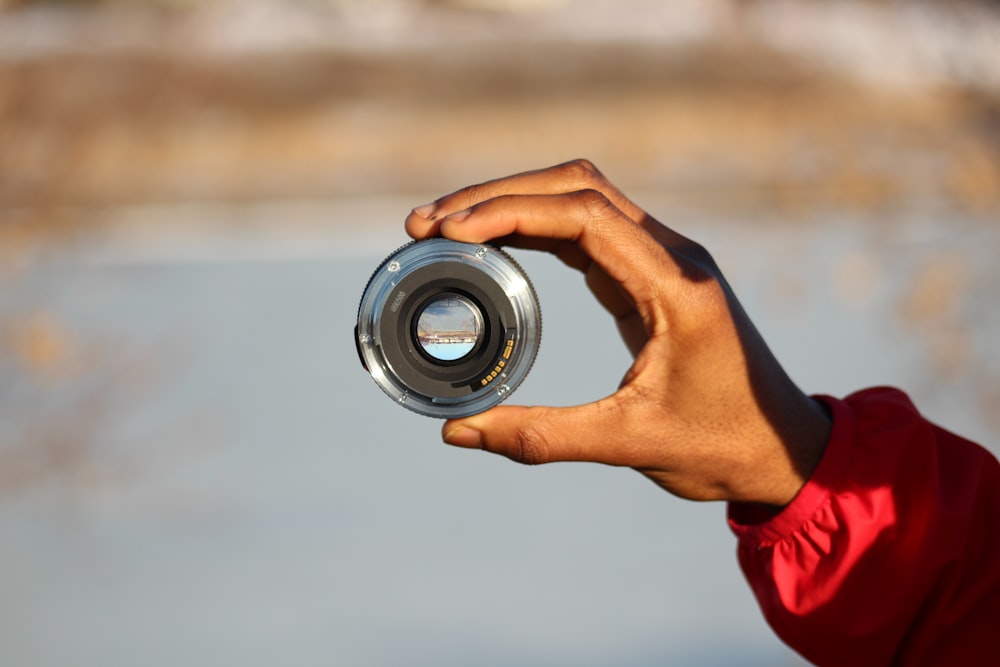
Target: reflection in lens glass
(448, 327)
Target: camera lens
(448, 329)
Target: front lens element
(448, 327)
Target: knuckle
(531, 446)
(697, 255)
(581, 173)
(474, 194)
(596, 205)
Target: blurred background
(195, 470)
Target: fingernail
(463, 436)
(458, 216)
(425, 210)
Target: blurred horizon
(835, 104)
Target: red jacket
(890, 554)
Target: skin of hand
(705, 411)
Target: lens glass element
(448, 327)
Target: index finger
(567, 177)
(588, 221)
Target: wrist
(800, 435)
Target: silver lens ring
(448, 329)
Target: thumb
(541, 434)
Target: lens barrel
(448, 329)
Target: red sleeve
(890, 554)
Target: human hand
(705, 410)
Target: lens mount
(448, 329)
